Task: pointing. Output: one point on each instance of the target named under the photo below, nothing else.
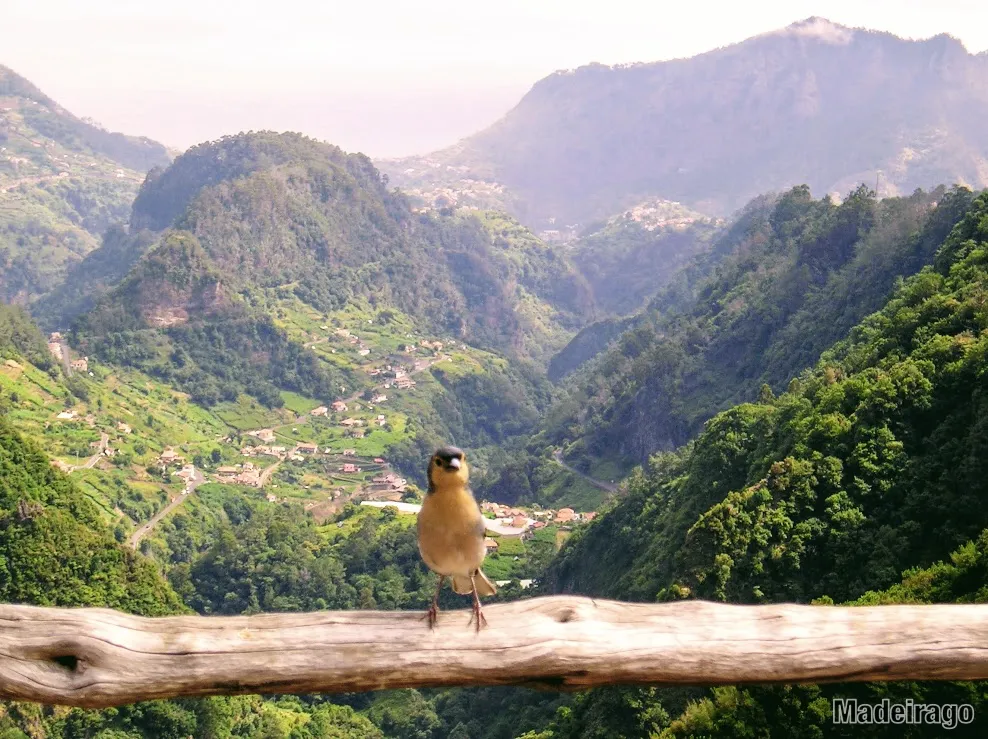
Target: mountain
(813, 103)
(282, 211)
(675, 287)
(861, 484)
(629, 257)
(252, 265)
(63, 183)
(805, 271)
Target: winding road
(557, 456)
(104, 439)
(197, 479)
(265, 476)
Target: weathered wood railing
(96, 657)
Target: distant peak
(819, 28)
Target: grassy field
(247, 414)
(518, 558)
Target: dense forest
(20, 337)
(798, 276)
(856, 484)
(627, 259)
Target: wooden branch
(96, 657)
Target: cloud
(822, 29)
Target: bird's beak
(454, 464)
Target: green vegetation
(63, 183)
(264, 277)
(679, 294)
(864, 469)
(841, 473)
(630, 257)
(54, 549)
(20, 337)
(276, 237)
(284, 211)
(804, 272)
(90, 279)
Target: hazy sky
(387, 77)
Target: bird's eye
(439, 463)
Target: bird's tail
(463, 586)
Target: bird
(451, 532)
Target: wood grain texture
(97, 657)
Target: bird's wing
(484, 586)
(463, 586)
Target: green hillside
(59, 542)
(629, 257)
(860, 484)
(54, 548)
(56, 551)
(674, 292)
(243, 295)
(864, 467)
(288, 213)
(803, 273)
(63, 183)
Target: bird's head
(448, 466)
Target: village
(323, 456)
(509, 521)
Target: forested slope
(803, 272)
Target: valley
(699, 367)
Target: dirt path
(197, 479)
(557, 456)
(266, 475)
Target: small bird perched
(451, 532)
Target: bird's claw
(432, 615)
(477, 617)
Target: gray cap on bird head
(450, 456)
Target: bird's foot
(477, 616)
(432, 615)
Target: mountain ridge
(63, 183)
(781, 108)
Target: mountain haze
(814, 103)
